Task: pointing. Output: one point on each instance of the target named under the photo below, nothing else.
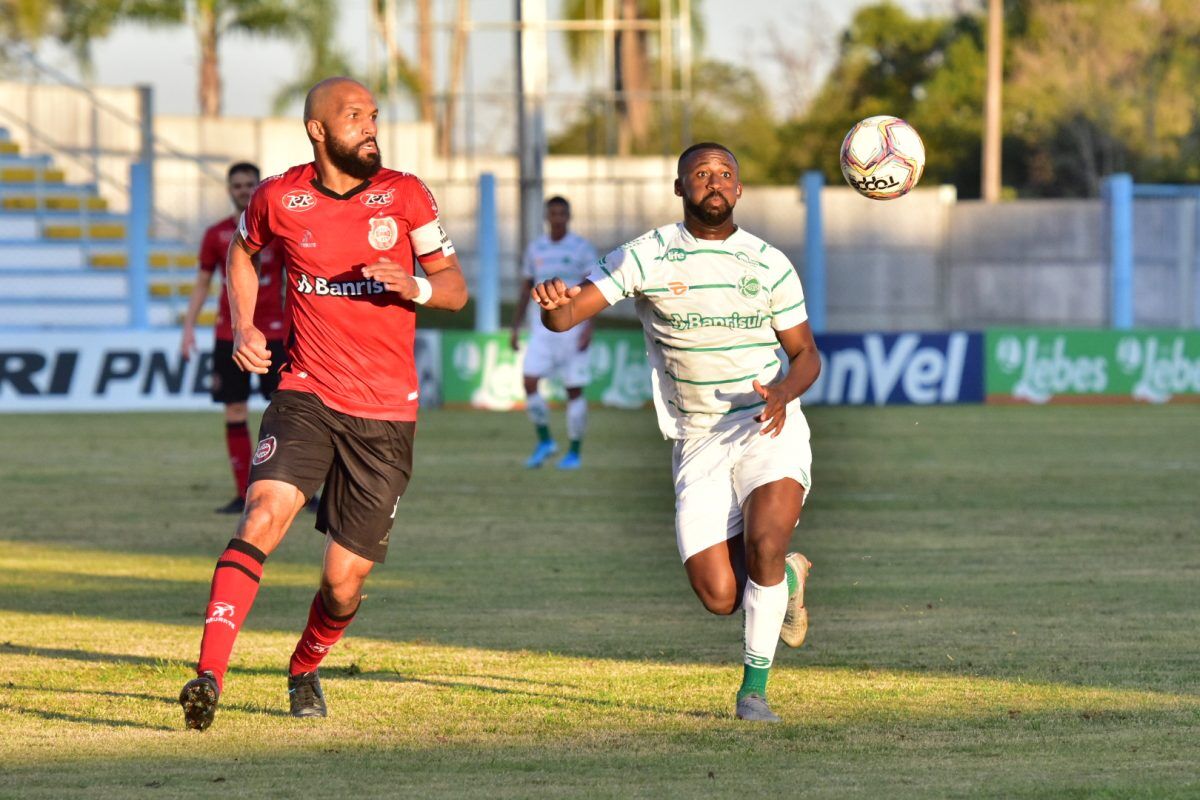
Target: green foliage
(730, 106)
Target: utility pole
(531, 110)
(992, 106)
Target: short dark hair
(243, 166)
(702, 146)
(559, 200)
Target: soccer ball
(883, 157)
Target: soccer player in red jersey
(346, 406)
(230, 385)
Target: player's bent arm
(563, 308)
(446, 278)
(803, 357)
(250, 351)
(241, 280)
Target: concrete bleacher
(64, 256)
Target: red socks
(319, 637)
(237, 442)
(234, 586)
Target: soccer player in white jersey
(557, 254)
(731, 352)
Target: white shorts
(715, 473)
(557, 355)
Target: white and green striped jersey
(710, 310)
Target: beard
(350, 161)
(709, 215)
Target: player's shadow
(58, 716)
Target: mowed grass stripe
(989, 618)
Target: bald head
(325, 98)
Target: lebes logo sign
(1049, 366)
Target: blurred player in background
(731, 351)
(558, 254)
(346, 408)
(229, 384)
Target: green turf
(1004, 604)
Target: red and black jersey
(269, 314)
(352, 339)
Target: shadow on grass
(58, 716)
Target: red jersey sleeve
(210, 256)
(425, 230)
(255, 223)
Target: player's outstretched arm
(804, 367)
(565, 307)
(250, 351)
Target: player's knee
(341, 598)
(719, 597)
(262, 524)
(766, 554)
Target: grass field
(1005, 603)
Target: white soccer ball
(883, 157)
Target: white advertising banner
(120, 370)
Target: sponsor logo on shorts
(220, 612)
(685, 322)
(384, 233)
(299, 200)
(266, 449)
(323, 287)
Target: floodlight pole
(531, 110)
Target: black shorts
(229, 384)
(364, 463)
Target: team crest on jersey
(749, 286)
(384, 233)
(299, 200)
(377, 199)
(266, 449)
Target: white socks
(536, 408)
(576, 418)
(764, 607)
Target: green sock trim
(754, 681)
(792, 580)
(543, 432)
(575, 445)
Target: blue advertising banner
(899, 368)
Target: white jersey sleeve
(620, 274)
(787, 297)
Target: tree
(632, 57)
(730, 106)
(316, 22)
(927, 70)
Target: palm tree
(631, 59)
(316, 24)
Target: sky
(253, 69)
